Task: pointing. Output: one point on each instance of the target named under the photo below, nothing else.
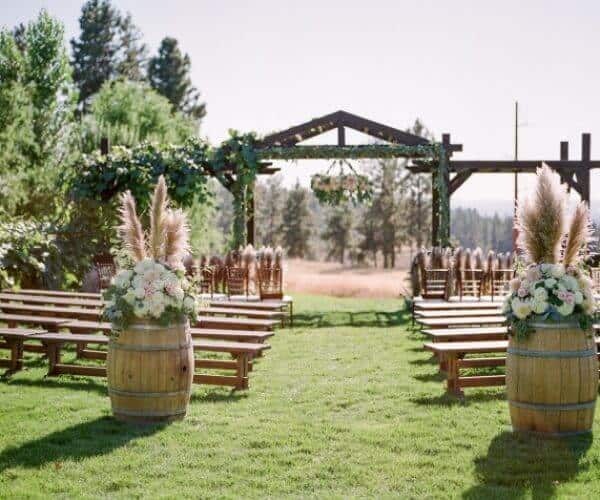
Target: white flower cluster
(550, 290)
(149, 291)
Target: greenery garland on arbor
(235, 163)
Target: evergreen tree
(169, 74)
(108, 47)
(269, 198)
(338, 232)
(132, 52)
(295, 228)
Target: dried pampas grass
(130, 230)
(176, 244)
(169, 232)
(541, 219)
(158, 216)
(579, 234)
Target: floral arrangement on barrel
(550, 289)
(153, 287)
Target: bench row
(53, 343)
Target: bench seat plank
(449, 322)
(458, 314)
(248, 313)
(40, 299)
(65, 312)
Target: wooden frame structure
(286, 144)
(574, 173)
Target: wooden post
(445, 238)
(250, 215)
(104, 146)
(435, 209)
(564, 156)
(583, 173)
(341, 136)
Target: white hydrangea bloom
(558, 271)
(565, 309)
(521, 308)
(539, 306)
(540, 294)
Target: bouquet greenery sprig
(550, 290)
(154, 287)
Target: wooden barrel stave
(150, 372)
(547, 390)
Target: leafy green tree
(295, 227)
(338, 232)
(169, 74)
(131, 112)
(37, 101)
(108, 47)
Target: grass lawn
(346, 404)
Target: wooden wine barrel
(150, 371)
(552, 380)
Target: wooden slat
(471, 320)
(464, 313)
(64, 312)
(39, 299)
(247, 313)
(228, 380)
(481, 362)
(55, 293)
(482, 381)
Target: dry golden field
(329, 278)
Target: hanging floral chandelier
(341, 183)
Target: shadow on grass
(451, 400)
(218, 396)
(519, 465)
(374, 319)
(77, 442)
(84, 384)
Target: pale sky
(265, 65)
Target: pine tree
(295, 227)
(338, 232)
(108, 47)
(269, 198)
(169, 74)
(132, 52)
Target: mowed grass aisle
(346, 404)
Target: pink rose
(569, 298)
(522, 292)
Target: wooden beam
(501, 166)
(341, 136)
(458, 180)
(583, 172)
(250, 215)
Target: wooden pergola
(574, 173)
(391, 143)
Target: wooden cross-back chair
(435, 283)
(237, 281)
(270, 282)
(499, 282)
(471, 282)
(207, 280)
(106, 267)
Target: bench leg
(16, 355)
(242, 371)
(53, 349)
(453, 386)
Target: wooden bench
(245, 313)
(257, 337)
(60, 312)
(49, 323)
(55, 293)
(464, 313)
(249, 304)
(451, 356)
(216, 322)
(466, 334)
(14, 339)
(461, 322)
(242, 352)
(59, 301)
(439, 305)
